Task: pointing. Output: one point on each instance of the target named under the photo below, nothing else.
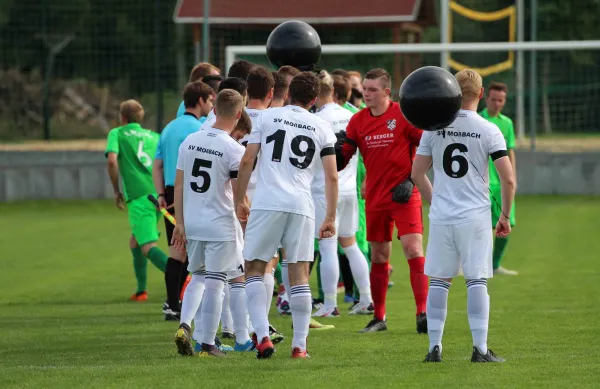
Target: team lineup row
(287, 174)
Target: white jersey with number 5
(338, 117)
(291, 140)
(460, 156)
(209, 160)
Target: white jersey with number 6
(291, 138)
(460, 156)
(209, 160)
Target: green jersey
(135, 148)
(505, 125)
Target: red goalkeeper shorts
(380, 224)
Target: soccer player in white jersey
(460, 214)
(238, 85)
(207, 169)
(347, 215)
(290, 139)
(260, 93)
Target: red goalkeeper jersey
(388, 145)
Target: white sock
(269, 281)
(478, 309)
(256, 296)
(301, 307)
(360, 272)
(191, 298)
(239, 313)
(330, 271)
(285, 275)
(226, 319)
(197, 335)
(211, 306)
(437, 308)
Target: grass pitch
(66, 274)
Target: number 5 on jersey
(198, 172)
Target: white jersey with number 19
(209, 159)
(460, 156)
(290, 138)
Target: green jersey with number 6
(135, 148)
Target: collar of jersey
(131, 126)
(216, 129)
(295, 106)
(332, 104)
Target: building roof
(311, 11)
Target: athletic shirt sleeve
(413, 134)
(181, 156)
(497, 144)
(236, 152)
(112, 142)
(425, 143)
(159, 148)
(256, 132)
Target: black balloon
(294, 43)
(430, 98)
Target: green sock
(278, 274)
(140, 267)
(499, 247)
(319, 286)
(158, 258)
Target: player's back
(338, 117)
(136, 150)
(460, 155)
(209, 159)
(171, 138)
(291, 139)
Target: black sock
(184, 274)
(346, 275)
(172, 277)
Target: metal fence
(66, 65)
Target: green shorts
(143, 220)
(497, 210)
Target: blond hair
(131, 111)
(326, 81)
(229, 103)
(470, 84)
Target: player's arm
(421, 165)
(112, 165)
(346, 145)
(331, 182)
(246, 165)
(178, 196)
(499, 156)
(507, 180)
(158, 174)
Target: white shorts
(218, 257)
(320, 211)
(266, 230)
(467, 245)
(347, 216)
